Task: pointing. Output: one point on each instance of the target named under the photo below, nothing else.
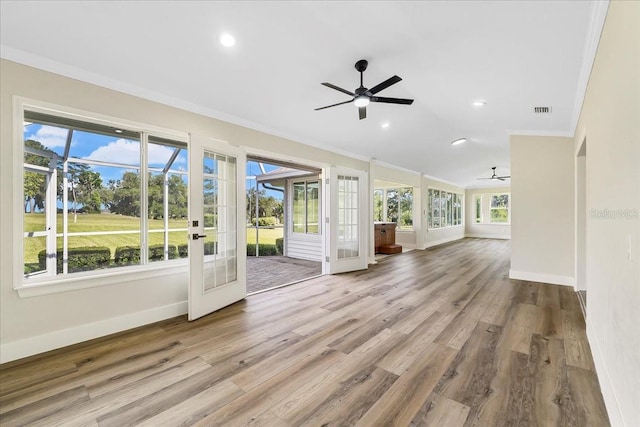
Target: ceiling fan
(494, 176)
(363, 96)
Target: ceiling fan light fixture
(458, 141)
(361, 101)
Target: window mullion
(144, 199)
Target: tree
(87, 186)
(126, 195)
(35, 184)
(178, 196)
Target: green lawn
(112, 222)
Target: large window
(444, 209)
(306, 207)
(394, 205)
(100, 196)
(492, 208)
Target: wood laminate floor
(439, 337)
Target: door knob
(196, 236)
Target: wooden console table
(385, 238)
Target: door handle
(196, 236)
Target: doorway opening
(284, 231)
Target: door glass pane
(348, 227)
(219, 216)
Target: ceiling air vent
(541, 109)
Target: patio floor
(268, 271)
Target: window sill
(446, 227)
(53, 285)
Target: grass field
(112, 222)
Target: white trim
(391, 166)
(597, 16)
(527, 132)
(489, 236)
(604, 379)
(461, 187)
(443, 241)
(92, 279)
(62, 338)
(542, 278)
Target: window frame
(385, 206)
(451, 215)
(485, 208)
(491, 208)
(49, 284)
(306, 181)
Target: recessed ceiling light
(227, 40)
(458, 141)
(479, 103)
(384, 125)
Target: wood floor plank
(576, 345)
(440, 411)
(399, 405)
(434, 337)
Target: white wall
(40, 323)
(439, 236)
(542, 209)
(610, 122)
(486, 231)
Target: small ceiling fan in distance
(363, 96)
(494, 176)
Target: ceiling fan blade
(508, 176)
(484, 178)
(500, 178)
(392, 100)
(385, 84)
(363, 112)
(339, 89)
(334, 105)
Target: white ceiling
(515, 55)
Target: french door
(347, 240)
(217, 232)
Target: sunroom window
(306, 207)
(99, 197)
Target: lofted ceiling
(514, 55)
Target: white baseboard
(542, 278)
(606, 387)
(489, 236)
(51, 341)
(442, 241)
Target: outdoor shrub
(267, 221)
(156, 252)
(210, 248)
(126, 255)
(264, 249)
(280, 245)
(79, 259)
(183, 250)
